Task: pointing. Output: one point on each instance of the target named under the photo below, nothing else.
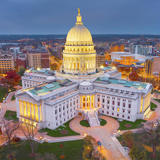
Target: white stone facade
(62, 104)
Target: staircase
(93, 119)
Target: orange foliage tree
(11, 79)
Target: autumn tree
(133, 76)
(152, 133)
(11, 79)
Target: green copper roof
(49, 87)
(125, 83)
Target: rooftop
(124, 83)
(43, 71)
(49, 87)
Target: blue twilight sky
(100, 16)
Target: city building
(38, 58)
(34, 77)
(100, 60)
(82, 91)
(146, 50)
(6, 62)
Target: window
(113, 102)
(118, 103)
(123, 116)
(108, 102)
(129, 112)
(124, 104)
(117, 115)
(103, 100)
(129, 105)
(55, 111)
(59, 109)
(107, 112)
(98, 99)
(123, 110)
(128, 117)
(112, 114)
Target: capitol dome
(79, 34)
(79, 55)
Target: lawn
(86, 124)
(102, 122)
(153, 106)
(11, 115)
(71, 150)
(61, 131)
(3, 93)
(126, 125)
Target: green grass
(13, 98)
(3, 93)
(103, 122)
(84, 123)
(60, 131)
(72, 150)
(158, 100)
(131, 125)
(153, 106)
(11, 115)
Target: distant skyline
(100, 17)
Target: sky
(99, 16)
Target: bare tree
(8, 129)
(29, 131)
(153, 136)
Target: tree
(29, 131)
(136, 154)
(11, 79)
(128, 139)
(133, 76)
(21, 72)
(153, 136)
(8, 129)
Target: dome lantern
(79, 18)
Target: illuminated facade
(79, 55)
(51, 104)
(6, 63)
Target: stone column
(85, 102)
(38, 113)
(90, 98)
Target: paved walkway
(112, 149)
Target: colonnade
(30, 110)
(87, 102)
(79, 64)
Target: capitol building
(49, 99)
